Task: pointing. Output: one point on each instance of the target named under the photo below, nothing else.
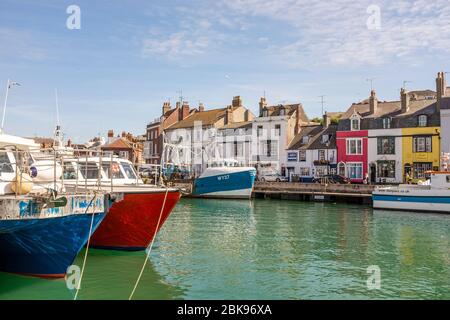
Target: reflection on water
(108, 275)
(269, 249)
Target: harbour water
(268, 249)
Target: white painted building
(272, 132)
(385, 155)
(234, 142)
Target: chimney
(237, 102)
(229, 115)
(69, 143)
(440, 89)
(298, 124)
(165, 108)
(262, 104)
(326, 120)
(184, 111)
(201, 107)
(124, 134)
(404, 98)
(373, 102)
(246, 115)
(110, 135)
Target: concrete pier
(358, 193)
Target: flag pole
(4, 106)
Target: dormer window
(265, 113)
(305, 139)
(355, 123)
(386, 123)
(282, 111)
(422, 120)
(325, 138)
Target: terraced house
(272, 132)
(387, 140)
(312, 153)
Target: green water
(268, 249)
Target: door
(373, 173)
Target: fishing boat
(430, 196)
(132, 223)
(42, 227)
(225, 179)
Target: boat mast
(57, 138)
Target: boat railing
(58, 169)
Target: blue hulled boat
(42, 228)
(225, 179)
(45, 242)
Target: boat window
(128, 170)
(24, 159)
(114, 168)
(69, 171)
(89, 170)
(5, 164)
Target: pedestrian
(408, 178)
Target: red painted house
(352, 143)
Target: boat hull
(225, 185)
(412, 198)
(131, 222)
(44, 247)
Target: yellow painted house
(421, 150)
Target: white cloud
(174, 45)
(335, 32)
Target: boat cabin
(15, 157)
(105, 170)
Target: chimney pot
(166, 107)
(237, 101)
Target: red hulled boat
(132, 222)
(137, 213)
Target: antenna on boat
(9, 84)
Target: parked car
(273, 177)
(332, 178)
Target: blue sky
(131, 56)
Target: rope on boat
(149, 248)
(87, 245)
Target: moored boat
(133, 222)
(431, 196)
(225, 179)
(42, 228)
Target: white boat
(225, 179)
(431, 196)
